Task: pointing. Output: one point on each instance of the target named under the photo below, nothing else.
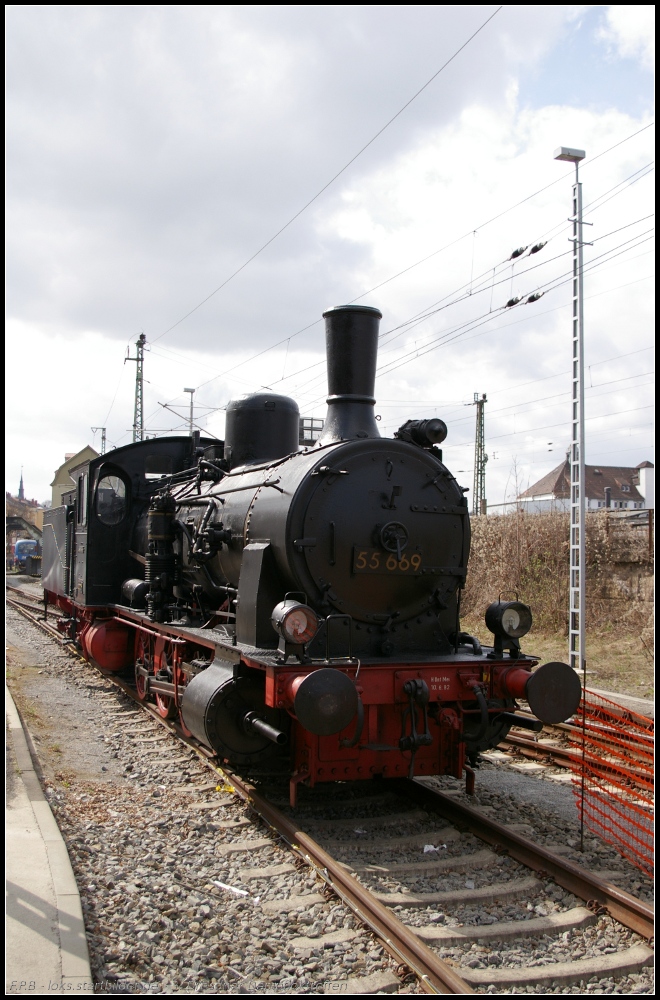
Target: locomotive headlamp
(509, 619)
(295, 622)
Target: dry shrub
(528, 554)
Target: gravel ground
(151, 832)
(547, 809)
(536, 806)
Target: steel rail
(22, 595)
(16, 602)
(563, 757)
(19, 590)
(622, 906)
(562, 727)
(434, 975)
(48, 629)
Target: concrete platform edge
(76, 971)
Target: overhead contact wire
(336, 176)
(417, 263)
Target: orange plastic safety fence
(612, 766)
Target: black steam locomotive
(298, 608)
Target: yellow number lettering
(374, 562)
(404, 564)
(416, 561)
(361, 561)
(391, 563)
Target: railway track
(23, 600)
(547, 752)
(385, 851)
(554, 748)
(450, 844)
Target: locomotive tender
(298, 609)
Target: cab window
(111, 502)
(81, 497)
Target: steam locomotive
(298, 609)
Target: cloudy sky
(153, 151)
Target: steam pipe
(252, 722)
(484, 719)
(464, 639)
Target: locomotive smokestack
(351, 341)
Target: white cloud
(151, 150)
(630, 30)
(450, 184)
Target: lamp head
(572, 155)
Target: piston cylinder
(220, 708)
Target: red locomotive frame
(115, 640)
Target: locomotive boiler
(298, 609)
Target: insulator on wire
(535, 297)
(513, 302)
(517, 253)
(537, 247)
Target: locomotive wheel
(140, 685)
(184, 728)
(165, 703)
(142, 662)
(165, 706)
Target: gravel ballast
(151, 832)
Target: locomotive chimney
(351, 341)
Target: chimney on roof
(646, 482)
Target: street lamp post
(577, 601)
(578, 569)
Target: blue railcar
(25, 547)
